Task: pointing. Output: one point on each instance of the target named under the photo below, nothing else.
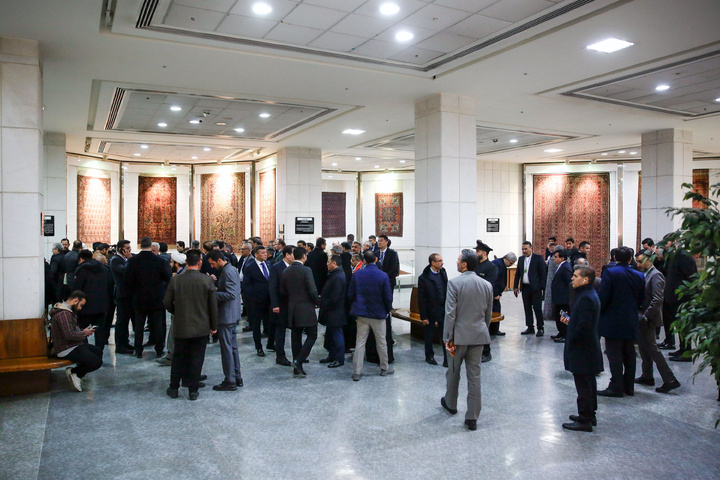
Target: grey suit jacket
(228, 295)
(651, 308)
(468, 310)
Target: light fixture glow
(173, 168)
(136, 154)
(513, 140)
(633, 153)
(377, 166)
(553, 150)
(404, 36)
(329, 176)
(261, 8)
(402, 161)
(609, 45)
(358, 158)
(389, 9)
(353, 131)
(206, 149)
(162, 124)
(603, 154)
(195, 122)
(144, 147)
(334, 164)
(662, 88)
(194, 157)
(222, 124)
(175, 108)
(264, 115)
(621, 151)
(717, 99)
(239, 130)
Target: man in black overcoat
(332, 312)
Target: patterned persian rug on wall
(222, 207)
(573, 205)
(701, 184)
(333, 214)
(267, 206)
(93, 209)
(389, 214)
(157, 209)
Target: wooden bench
(417, 329)
(24, 361)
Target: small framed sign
(304, 225)
(49, 225)
(493, 225)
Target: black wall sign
(493, 225)
(304, 225)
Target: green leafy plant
(698, 319)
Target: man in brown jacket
(190, 297)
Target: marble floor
(123, 426)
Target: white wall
(343, 183)
(55, 188)
(499, 195)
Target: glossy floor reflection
(123, 426)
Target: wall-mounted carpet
(93, 209)
(266, 190)
(222, 207)
(157, 208)
(333, 214)
(701, 185)
(573, 205)
(389, 214)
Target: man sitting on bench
(70, 342)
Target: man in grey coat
(650, 319)
(229, 310)
(468, 312)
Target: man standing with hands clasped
(468, 312)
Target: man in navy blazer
(255, 285)
(560, 291)
(530, 280)
(621, 294)
(278, 317)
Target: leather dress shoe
(200, 384)
(578, 427)
(471, 424)
(225, 387)
(540, 332)
(445, 364)
(335, 364)
(444, 404)
(283, 361)
(270, 347)
(202, 377)
(247, 329)
(499, 334)
(298, 370)
(666, 387)
(486, 358)
(306, 361)
(172, 392)
(355, 377)
(680, 358)
(576, 418)
(528, 331)
(666, 346)
(239, 382)
(676, 353)
(326, 360)
(629, 393)
(193, 395)
(609, 393)
(138, 354)
(431, 361)
(559, 340)
(124, 351)
(260, 352)
(650, 382)
(164, 361)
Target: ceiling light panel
(610, 45)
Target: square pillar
(21, 181)
(55, 188)
(299, 190)
(445, 178)
(666, 164)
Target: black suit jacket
(297, 288)
(560, 288)
(147, 277)
(317, 262)
(537, 273)
(275, 299)
(390, 265)
(332, 301)
(583, 354)
(118, 265)
(256, 288)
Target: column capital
(445, 102)
(667, 135)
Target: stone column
(21, 175)
(666, 164)
(299, 187)
(445, 178)
(55, 188)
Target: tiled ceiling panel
(168, 153)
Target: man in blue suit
(560, 291)
(255, 284)
(229, 310)
(530, 280)
(278, 317)
(621, 294)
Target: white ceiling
(518, 82)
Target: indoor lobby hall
(123, 425)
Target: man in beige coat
(468, 311)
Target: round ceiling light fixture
(404, 36)
(389, 8)
(162, 124)
(175, 108)
(261, 8)
(239, 130)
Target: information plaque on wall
(49, 225)
(493, 225)
(304, 225)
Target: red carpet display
(266, 192)
(701, 182)
(573, 205)
(389, 214)
(157, 208)
(222, 207)
(333, 214)
(93, 209)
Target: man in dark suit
(389, 262)
(245, 255)
(583, 355)
(486, 270)
(560, 290)
(146, 277)
(317, 262)
(71, 263)
(621, 294)
(678, 267)
(374, 247)
(432, 290)
(278, 317)
(123, 301)
(297, 289)
(278, 255)
(332, 313)
(57, 268)
(499, 287)
(95, 280)
(255, 284)
(530, 280)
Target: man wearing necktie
(255, 286)
(389, 263)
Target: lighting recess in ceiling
(261, 8)
(404, 36)
(717, 99)
(402, 161)
(194, 157)
(136, 154)
(377, 166)
(610, 45)
(389, 9)
(264, 115)
(662, 88)
(239, 130)
(553, 150)
(334, 164)
(603, 154)
(206, 149)
(621, 151)
(175, 108)
(162, 124)
(513, 140)
(144, 147)
(222, 124)
(633, 153)
(195, 122)
(353, 131)
(358, 158)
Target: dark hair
(350, 237)
(145, 242)
(648, 241)
(570, 239)
(180, 243)
(216, 255)
(163, 247)
(320, 242)
(121, 244)
(358, 244)
(644, 253)
(103, 246)
(192, 257)
(79, 294)
(369, 257)
(586, 271)
(281, 242)
(96, 245)
(65, 239)
(527, 243)
(299, 253)
(433, 257)
(301, 243)
(623, 255)
(288, 249)
(336, 260)
(78, 244)
(372, 237)
(195, 244)
(257, 249)
(207, 245)
(583, 243)
(469, 258)
(386, 239)
(345, 245)
(552, 239)
(85, 255)
(310, 244)
(562, 253)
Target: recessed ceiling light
(353, 131)
(162, 124)
(136, 154)
(717, 99)
(633, 153)
(358, 158)
(124, 167)
(222, 124)
(603, 154)
(175, 108)
(334, 164)
(389, 9)
(662, 88)
(402, 161)
(239, 130)
(377, 166)
(261, 8)
(264, 115)
(144, 146)
(513, 140)
(329, 176)
(621, 151)
(553, 150)
(173, 168)
(194, 122)
(206, 149)
(194, 157)
(610, 45)
(404, 36)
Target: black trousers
(562, 328)
(430, 337)
(335, 343)
(156, 323)
(259, 316)
(280, 341)
(350, 332)
(494, 327)
(301, 350)
(87, 357)
(122, 324)
(187, 362)
(621, 357)
(669, 312)
(586, 386)
(102, 331)
(532, 301)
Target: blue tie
(382, 256)
(264, 269)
